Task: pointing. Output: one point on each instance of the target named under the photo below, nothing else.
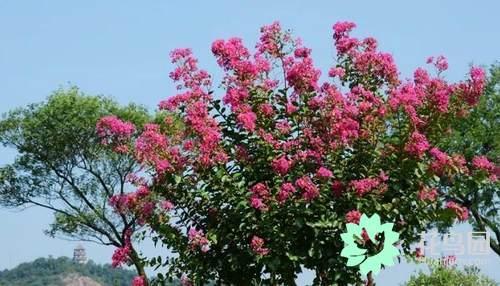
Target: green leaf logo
(359, 256)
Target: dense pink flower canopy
(282, 141)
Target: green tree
(53, 271)
(61, 166)
(443, 276)
(479, 135)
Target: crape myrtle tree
(477, 137)
(62, 166)
(256, 186)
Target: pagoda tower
(79, 254)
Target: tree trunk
(371, 281)
(139, 267)
(483, 223)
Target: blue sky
(120, 48)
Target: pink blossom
(324, 173)
(281, 165)
(197, 238)
(291, 108)
(302, 76)
(342, 28)
(150, 144)
(236, 96)
(113, 130)
(287, 189)
(270, 39)
(247, 120)
(257, 245)
(266, 109)
(139, 281)
(421, 77)
(353, 216)
(167, 205)
(257, 203)
(439, 94)
(383, 176)
(426, 194)
(441, 63)
(260, 190)
(482, 163)
(417, 144)
(310, 190)
(302, 52)
(406, 95)
(260, 193)
(364, 186)
(336, 72)
(120, 256)
(472, 90)
(187, 73)
(377, 63)
(283, 127)
(461, 212)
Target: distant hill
(63, 271)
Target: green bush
(444, 276)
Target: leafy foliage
(252, 188)
(445, 276)
(479, 135)
(51, 271)
(62, 166)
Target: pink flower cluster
(324, 173)
(194, 102)
(257, 245)
(461, 212)
(482, 163)
(440, 62)
(444, 164)
(281, 165)
(139, 281)
(271, 40)
(364, 55)
(114, 131)
(197, 239)
(286, 191)
(309, 190)
(364, 186)
(260, 194)
(207, 130)
(353, 216)
(417, 144)
(247, 120)
(150, 148)
(167, 205)
(472, 89)
(187, 70)
(302, 75)
(123, 203)
(426, 194)
(121, 255)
